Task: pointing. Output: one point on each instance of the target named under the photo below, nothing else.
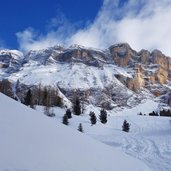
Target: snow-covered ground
(31, 141)
(149, 138)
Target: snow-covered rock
(10, 60)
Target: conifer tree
(93, 118)
(28, 98)
(140, 113)
(77, 106)
(125, 126)
(45, 99)
(103, 116)
(80, 128)
(68, 113)
(65, 120)
(17, 86)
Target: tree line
(163, 112)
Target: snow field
(34, 142)
(149, 138)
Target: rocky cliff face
(148, 68)
(107, 78)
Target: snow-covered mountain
(32, 141)
(117, 76)
(119, 79)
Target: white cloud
(59, 30)
(30, 40)
(143, 24)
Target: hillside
(149, 138)
(34, 142)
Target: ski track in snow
(149, 140)
(143, 148)
(147, 150)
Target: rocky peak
(43, 56)
(84, 55)
(10, 59)
(145, 57)
(160, 59)
(122, 54)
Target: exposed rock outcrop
(122, 54)
(148, 68)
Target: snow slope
(33, 142)
(76, 76)
(149, 138)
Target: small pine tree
(93, 118)
(80, 128)
(140, 113)
(77, 106)
(45, 99)
(28, 98)
(125, 126)
(103, 116)
(65, 120)
(68, 113)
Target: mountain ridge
(105, 78)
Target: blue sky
(37, 24)
(17, 15)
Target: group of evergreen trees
(163, 112)
(67, 116)
(77, 109)
(102, 117)
(166, 113)
(45, 96)
(93, 118)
